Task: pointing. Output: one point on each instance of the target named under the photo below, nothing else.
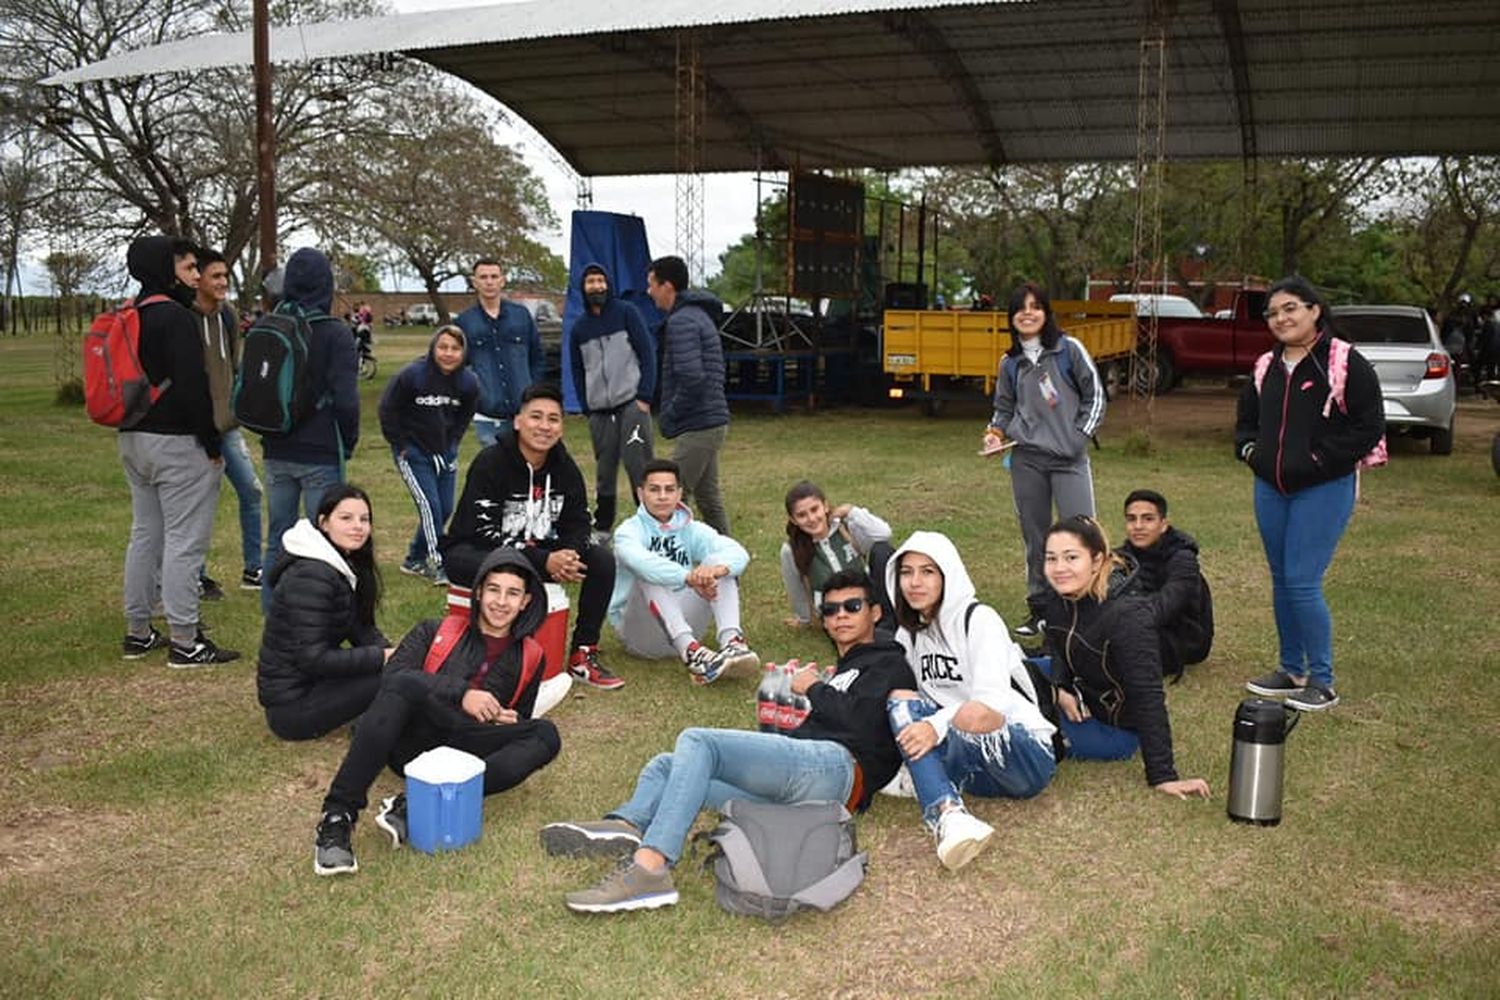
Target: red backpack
(116, 389)
(451, 629)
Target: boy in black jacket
(525, 492)
(1169, 580)
(843, 751)
(478, 701)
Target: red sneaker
(584, 664)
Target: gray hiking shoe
(333, 853)
(605, 838)
(628, 887)
(1276, 684)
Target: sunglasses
(853, 605)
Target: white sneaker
(960, 837)
(900, 786)
(738, 655)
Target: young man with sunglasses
(673, 574)
(843, 751)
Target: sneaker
(251, 579)
(738, 655)
(417, 569)
(704, 664)
(628, 887)
(960, 837)
(202, 653)
(1275, 684)
(439, 578)
(133, 649)
(900, 787)
(612, 838)
(333, 852)
(209, 589)
(392, 818)
(585, 665)
(600, 537)
(1312, 698)
(1031, 627)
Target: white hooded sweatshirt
(305, 540)
(956, 660)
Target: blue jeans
(431, 480)
(1006, 763)
(288, 485)
(240, 471)
(1300, 533)
(1090, 739)
(491, 429)
(709, 767)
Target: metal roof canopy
(888, 83)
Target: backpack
(771, 860)
(451, 629)
(1338, 375)
(117, 392)
(273, 390)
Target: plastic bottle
(765, 699)
(785, 713)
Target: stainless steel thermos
(1257, 760)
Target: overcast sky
(729, 199)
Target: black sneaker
(251, 579)
(202, 653)
(209, 589)
(133, 649)
(1276, 684)
(1312, 698)
(333, 851)
(392, 818)
(1030, 628)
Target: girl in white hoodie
(974, 725)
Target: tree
(23, 188)
(439, 190)
(1450, 233)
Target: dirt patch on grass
(39, 841)
(1468, 908)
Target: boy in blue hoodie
(614, 373)
(672, 575)
(424, 412)
(303, 463)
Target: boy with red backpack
(471, 687)
(171, 455)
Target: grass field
(156, 840)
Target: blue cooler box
(444, 799)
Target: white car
(1175, 306)
(1416, 373)
(422, 314)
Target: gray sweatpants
(659, 622)
(624, 434)
(174, 492)
(1038, 481)
(697, 455)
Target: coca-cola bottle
(801, 705)
(785, 712)
(765, 699)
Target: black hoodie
(508, 504)
(456, 676)
(171, 348)
(1171, 584)
(850, 709)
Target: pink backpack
(1338, 374)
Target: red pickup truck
(1211, 346)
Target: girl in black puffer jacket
(1105, 658)
(321, 655)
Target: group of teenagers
(929, 695)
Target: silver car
(1416, 373)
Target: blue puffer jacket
(505, 353)
(331, 364)
(692, 370)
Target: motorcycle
(1492, 390)
(364, 342)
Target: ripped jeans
(1008, 762)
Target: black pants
(405, 720)
(462, 562)
(326, 706)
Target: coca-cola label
(766, 713)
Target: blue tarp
(618, 244)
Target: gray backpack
(772, 860)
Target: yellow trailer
(935, 355)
